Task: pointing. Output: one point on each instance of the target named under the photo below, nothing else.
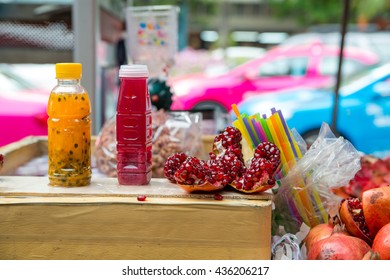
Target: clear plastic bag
(288, 246)
(172, 132)
(176, 132)
(304, 194)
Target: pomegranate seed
(218, 196)
(230, 137)
(355, 208)
(141, 197)
(172, 164)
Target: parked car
(377, 41)
(22, 107)
(191, 63)
(283, 67)
(363, 115)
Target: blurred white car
(377, 42)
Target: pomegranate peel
(364, 217)
(256, 189)
(321, 231)
(376, 208)
(351, 214)
(381, 244)
(206, 187)
(338, 246)
(371, 255)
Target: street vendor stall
(109, 221)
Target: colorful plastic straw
(240, 125)
(306, 203)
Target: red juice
(134, 127)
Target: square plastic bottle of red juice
(134, 126)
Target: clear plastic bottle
(69, 129)
(134, 127)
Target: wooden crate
(106, 221)
(18, 153)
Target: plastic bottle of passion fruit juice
(69, 129)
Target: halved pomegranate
(364, 217)
(259, 176)
(351, 214)
(225, 166)
(194, 175)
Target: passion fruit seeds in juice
(70, 145)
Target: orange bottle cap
(68, 71)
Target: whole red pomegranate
(320, 232)
(338, 246)
(225, 166)
(364, 217)
(381, 244)
(376, 208)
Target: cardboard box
(106, 221)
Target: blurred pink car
(313, 65)
(22, 108)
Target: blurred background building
(92, 32)
(46, 25)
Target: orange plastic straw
(283, 140)
(239, 123)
